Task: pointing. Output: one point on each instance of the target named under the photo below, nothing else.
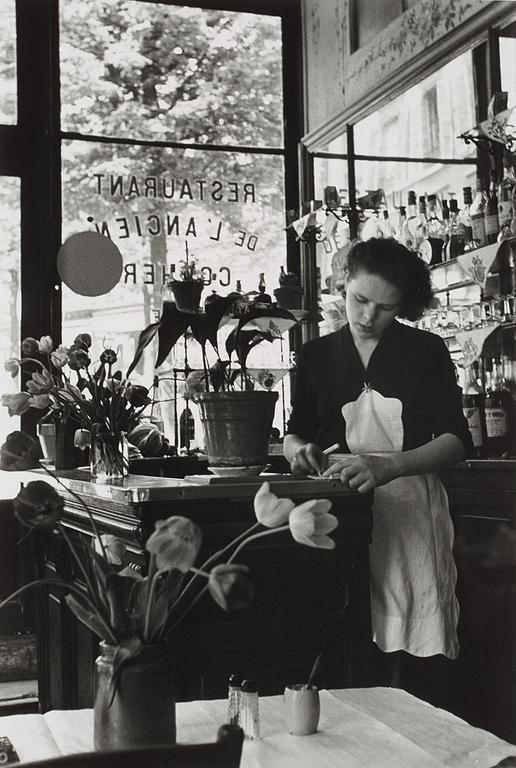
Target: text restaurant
(258, 383)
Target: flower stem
(257, 536)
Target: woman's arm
(364, 472)
(304, 458)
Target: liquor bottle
(464, 220)
(446, 228)
(498, 408)
(491, 211)
(401, 232)
(385, 224)
(262, 297)
(423, 245)
(186, 428)
(455, 244)
(473, 407)
(506, 191)
(435, 230)
(476, 210)
(411, 220)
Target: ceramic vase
(141, 710)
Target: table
(359, 728)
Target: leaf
(172, 325)
(127, 649)
(145, 338)
(91, 619)
(218, 374)
(215, 311)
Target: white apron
(413, 574)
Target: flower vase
(109, 455)
(64, 452)
(141, 711)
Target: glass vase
(109, 456)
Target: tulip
(82, 439)
(271, 511)
(59, 356)
(29, 346)
(175, 543)
(137, 395)
(108, 356)
(17, 403)
(40, 382)
(78, 358)
(82, 341)
(310, 521)
(20, 451)
(40, 401)
(12, 366)
(38, 504)
(45, 345)
(114, 548)
(229, 587)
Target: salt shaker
(234, 696)
(249, 710)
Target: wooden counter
(307, 600)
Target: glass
(152, 71)
(10, 293)
(8, 75)
(424, 120)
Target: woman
(387, 393)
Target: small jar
(249, 710)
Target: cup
(301, 709)
(47, 439)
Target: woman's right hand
(309, 460)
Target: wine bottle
(435, 230)
(473, 407)
(262, 296)
(423, 245)
(411, 220)
(464, 220)
(491, 225)
(456, 235)
(498, 408)
(477, 210)
(506, 191)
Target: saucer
(252, 471)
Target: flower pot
(109, 456)
(237, 426)
(289, 296)
(143, 710)
(187, 294)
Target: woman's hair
(388, 258)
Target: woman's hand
(309, 460)
(364, 472)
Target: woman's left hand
(364, 472)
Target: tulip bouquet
(61, 384)
(132, 611)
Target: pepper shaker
(249, 710)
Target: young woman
(387, 393)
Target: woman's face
(372, 303)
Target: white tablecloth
(359, 728)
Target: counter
(307, 600)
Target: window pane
(508, 68)
(8, 93)
(425, 120)
(158, 72)
(228, 208)
(9, 293)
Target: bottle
(498, 408)
(446, 229)
(491, 211)
(456, 238)
(186, 428)
(435, 229)
(411, 220)
(262, 297)
(249, 710)
(385, 224)
(477, 210)
(473, 407)
(401, 232)
(234, 696)
(464, 220)
(506, 191)
(424, 247)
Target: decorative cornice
(471, 31)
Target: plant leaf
(90, 619)
(172, 325)
(145, 338)
(127, 649)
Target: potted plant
(187, 290)
(236, 419)
(289, 295)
